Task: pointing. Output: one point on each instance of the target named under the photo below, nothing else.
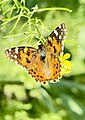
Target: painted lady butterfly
(43, 63)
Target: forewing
(55, 41)
(22, 55)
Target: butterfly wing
(22, 55)
(54, 47)
(55, 41)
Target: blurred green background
(21, 98)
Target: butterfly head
(42, 52)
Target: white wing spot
(9, 50)
(63, 25)
(6, 51)
(55, 31)
(60, 36)
(60, 26)
(61, 33)
(15, 56)
(16, 50)
(64, 29)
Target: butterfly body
(43, 63)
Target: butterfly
(44, 63)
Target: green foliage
(32, 26)
(23, 24)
